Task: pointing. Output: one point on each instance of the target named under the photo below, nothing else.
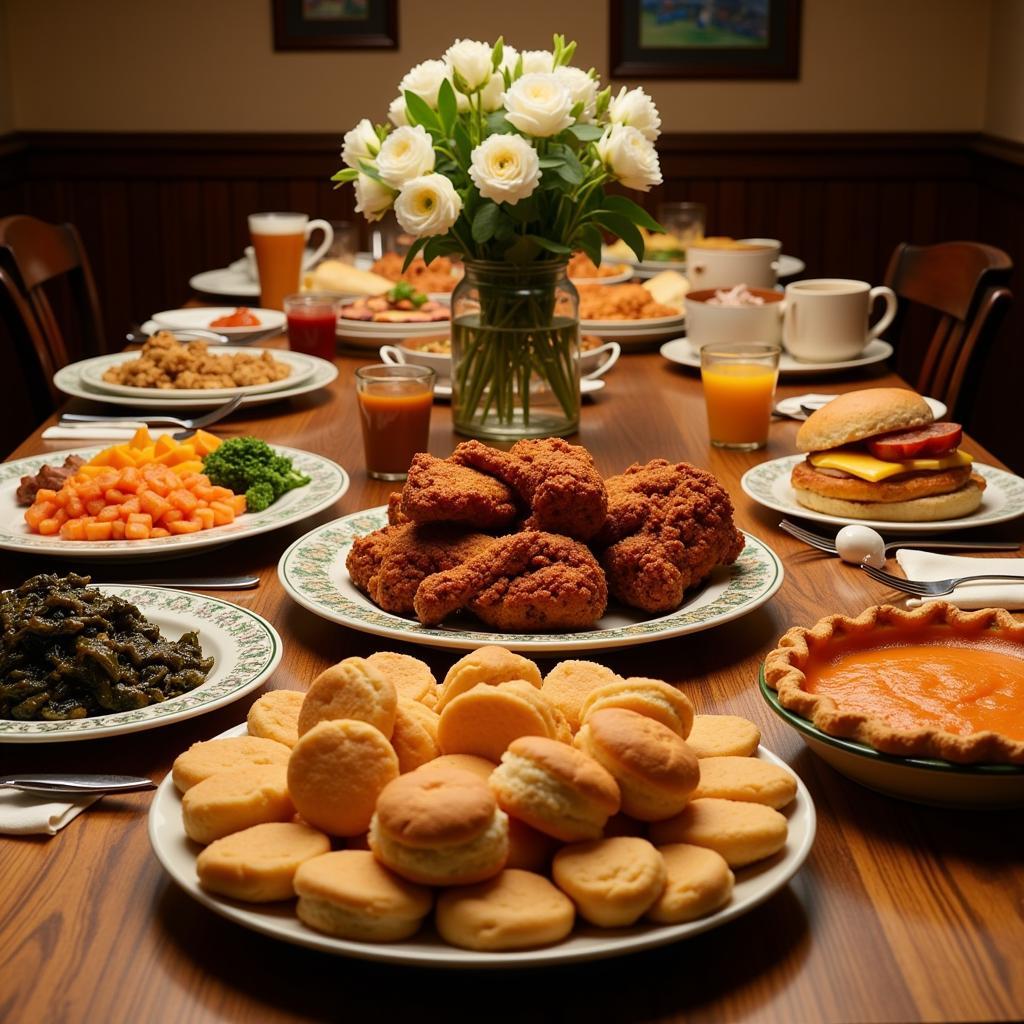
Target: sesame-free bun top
(859, 414)
(571, 767)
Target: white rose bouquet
(502, 157)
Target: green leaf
(546, 243)
(371, 172)
(524, 211)
(485, 222)
(571, 170)
(419, 112)
(497, 125)
(624, 228)
(414, 250)
(505, 229)
(634, 211)
(345, 174)
(463, 143)
(439, 245)
(447, 106)
(548, 162)
(577, 109)
(497, 53)
(590, 241)
(586, 132)
(522, 250)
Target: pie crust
(784, 672)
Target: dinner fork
(932, 588)
(188, 427)
(816, 540)
(76, 784)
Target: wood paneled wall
(154, 209)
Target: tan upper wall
(197, 65)
(1005, 104)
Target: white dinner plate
(768, 484)
(68, 380)
(593, 326)
(789, 266)
(635, 332)
(91, 373)
(754, 884)
(314, 574)
(624, 274)
(245, 649)
(682, 352)
(232, 281)
(369, 334)
(328, 483)
(791, 406)
(201, 316)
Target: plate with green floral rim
(328, 482)
(245, 649)
(768, 484)
(313, 572)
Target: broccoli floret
(251, 467)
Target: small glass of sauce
(394, 408)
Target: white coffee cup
(754, 262)
(826, 319)
(708, 324)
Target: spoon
(74, 784)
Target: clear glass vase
(515, 351)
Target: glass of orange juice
(279, 241)
(739, 389)
(394, 408)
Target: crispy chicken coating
(389, 564)
(668, 526)
(438, 490)
(525, 582)
(557, 481)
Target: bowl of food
(923, 705)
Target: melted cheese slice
(867, 467)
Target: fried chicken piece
(668, 526)
(438, 490)
(525, 582)
(396, 517)
(558, 481)
(389, 564)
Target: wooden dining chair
(962, 288)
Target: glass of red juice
(312, 321)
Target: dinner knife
(75, 784)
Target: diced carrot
(221, 494)
(182, 499)
(222, 513)
(203, 491)
(45, 494)
(136, 531)
(75, 506)
(131, 504)
(154, 504)
(95, 506)
(159, 531)
(89, 490)
(61, 516)
(183, 526)
(188, 469)
(35, 515)
(48, 527)
(113, 496)
(73, 529)
(117, 528)
(141, 517)
(98, 531)
(131, 479)
(109, 513)
(175, 515)
(237, 502)
(206, 517)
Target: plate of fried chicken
(533, 549)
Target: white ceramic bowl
(710, 324)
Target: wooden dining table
(902, 912)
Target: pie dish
(935, 682)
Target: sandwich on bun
(878, 454)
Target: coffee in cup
(826, 319)
(279, 240)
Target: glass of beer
(394, 408)
(280, 240)
(739, 390)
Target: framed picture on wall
(335, 24)
(704, 38)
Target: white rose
(493, 95)
(407, 153)
(396, 112)
(373, 199)
(505, 168)
(636, 109)
(582, 88)
(509, 56)
(361, 143)
(538, 62)
(630, 157)
(471, 60)
(428, 205)
(425, 80)
(539, 105)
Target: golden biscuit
(336, 772)
(655, 769)
(275, 716)
(204, 759)
(528, 849)
(515, 910)
(741, 832)
(412, 677)
(723, 736)
(698, 881)
(745, 778)
(258, 864)
(350, 895)
(351, 689)
(486, 719)
(650, 697)
(611, 881)
(236, 799)
(570, 683)
(478, 766)
(555, 788)
(491, 665)
(415, 734)
(440, 828)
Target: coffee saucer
(681, 352)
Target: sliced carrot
(117, 528)
(159, 531)
(136, 531)
(206, 517)
(48, 527)
(98, 531)
(183, 526)
(74, 529)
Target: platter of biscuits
(503, 818)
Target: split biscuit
(650, 697)
(745, 778)
(236, 799)
(491, 665)
(351, 689)
(723, 736)
(698, 882)
(570, 683)
(275, 716)
(204, 759)
(411, 677)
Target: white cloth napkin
(23, 814)
(87, 433)
(928, 566)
